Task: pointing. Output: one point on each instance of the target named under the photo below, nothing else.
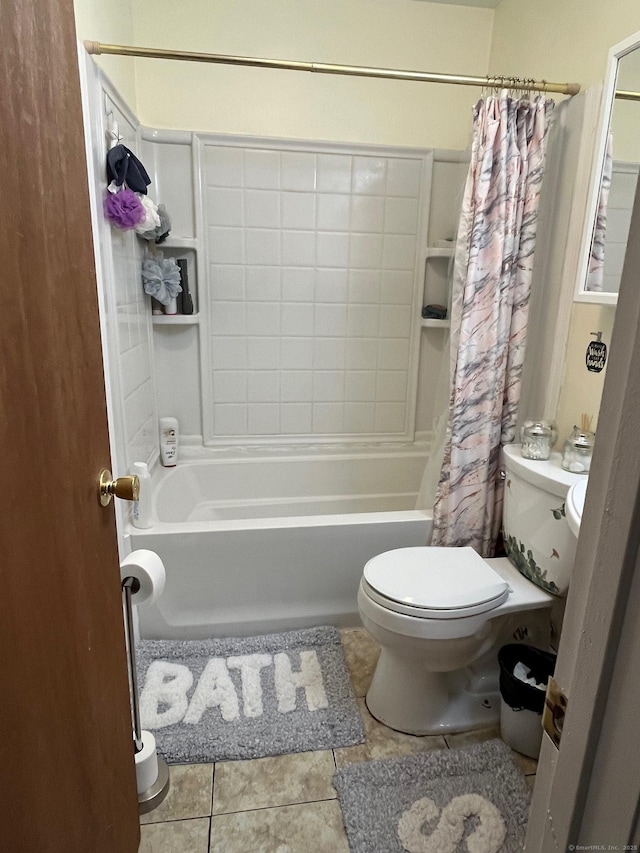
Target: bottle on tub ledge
(168, 441)
(142, 507)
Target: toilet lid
(435, 579)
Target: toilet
(441, 614)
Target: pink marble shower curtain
(490, 305)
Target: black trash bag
(517, 694)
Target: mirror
(615, 178)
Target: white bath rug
(468, 800)
(224, 699)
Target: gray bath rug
(225, 699)
(468, 800)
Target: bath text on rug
(165, 699)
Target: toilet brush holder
(152, 771)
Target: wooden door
(67, 780)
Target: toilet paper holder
(151, 797)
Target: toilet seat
(434, 583)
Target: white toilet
(441, 614)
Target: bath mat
(225, 699)
(472, 799)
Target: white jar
(578, 449)
(537, 439)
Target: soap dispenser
(169, 441)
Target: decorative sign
(596, 356)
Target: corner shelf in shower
(186, 248)
(436, 252)
(440, 253)
(175, 319)
(179, 243)
(435, 324)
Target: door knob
(126, 488)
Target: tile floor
(283, 804)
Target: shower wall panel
(312, 307)
(133, 326)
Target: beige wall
(582, 390)
(560, 39)
(566, 41)
(110, 21)
(265, 102)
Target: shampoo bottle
(169, 441)
(142, 507)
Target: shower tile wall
(312, 260)
(134, 344)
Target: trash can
(524, 672)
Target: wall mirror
(615, 177)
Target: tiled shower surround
(313, 267)
(128, 305)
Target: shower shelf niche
(435, 324)
(437, 284)
(449, 170)
(439, 253)
(181, 248)
(179, 243)
(175, 319)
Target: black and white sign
(596, 357)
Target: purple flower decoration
(124, 209)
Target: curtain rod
(96, 47)
(625, 95)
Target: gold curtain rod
(625, 95)
(96, 47)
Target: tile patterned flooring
(286, 803)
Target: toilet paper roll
(148, 569)
(146, 763)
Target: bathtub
(269, 542)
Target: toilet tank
(537, 538)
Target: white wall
(265, 102)
(109, 21)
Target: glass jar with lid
(537, 439)
(578, 449)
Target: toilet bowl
(441, 614)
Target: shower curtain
(490, 302)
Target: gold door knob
(125, 488)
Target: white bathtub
(269, 542)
